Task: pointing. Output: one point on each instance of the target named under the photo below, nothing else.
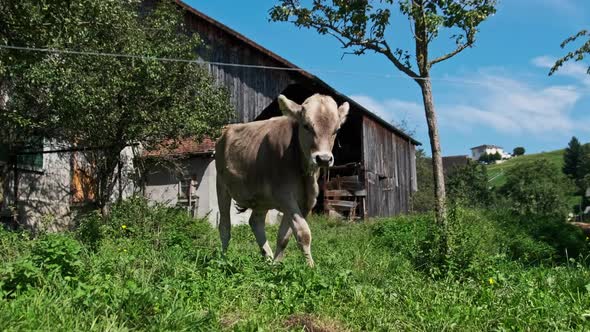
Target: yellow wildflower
(492, 281)
(124, 226)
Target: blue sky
(495, 93)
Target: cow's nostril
(330, 159)
(318, 159)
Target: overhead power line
(226, 64)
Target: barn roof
(299, 71)
(183, 148)
(452, 162)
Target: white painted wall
(45, 195)
(477, 153)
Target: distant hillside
(496, 171)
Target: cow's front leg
(257, 224)
(303, 235)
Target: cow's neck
(310, 183)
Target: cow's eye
(308, 128)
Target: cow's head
(319, 119)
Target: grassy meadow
(496, 171)
(156, 269)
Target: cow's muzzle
(323, 159)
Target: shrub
(88, 231)
(472, 242)
(57, 253)
(518, 151)
(469, 184)
(489, 158)
(136, 219)
(18, 276)
(536, 188)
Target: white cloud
(572, 69)
(394, 110)
(498, 101)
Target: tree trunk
(437, 165)
(107, 178)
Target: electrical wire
(227, 64)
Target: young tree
(362, 26)
(104, 102)
(518, 151)
(572, 158)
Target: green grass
(162, 272)
(496, 171)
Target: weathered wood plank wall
(387, 160)
(251, 89)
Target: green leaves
(577, 55)
(107, 101)
(362, 25)
(536, 188)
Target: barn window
(32, 155)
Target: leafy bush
(18, 276)
(472, 239)
(518, 151)
(544, 240)
(88, 231)
(134, 218)
(536, 188)
(489, 158)
(57, 253)
(469, 185)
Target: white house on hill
(478, 151)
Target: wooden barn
(374, 173)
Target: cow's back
(260, 161)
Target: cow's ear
(343, 112)
(289, 107)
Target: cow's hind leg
(224, 201)
(283, 237)
(257, 223)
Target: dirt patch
(228, 321)
(310, 323)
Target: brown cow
(274, 164)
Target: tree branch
(449, 55)
(398, 64)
